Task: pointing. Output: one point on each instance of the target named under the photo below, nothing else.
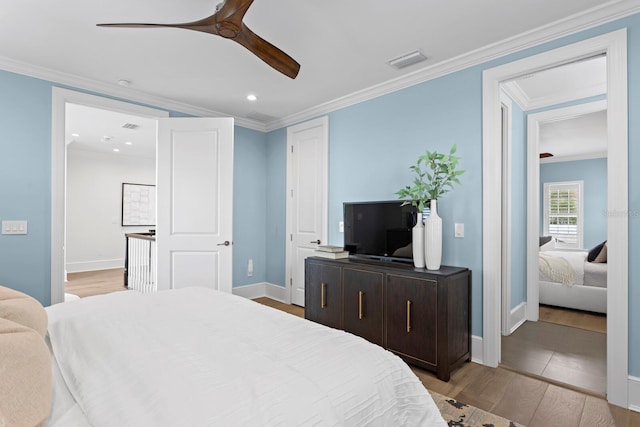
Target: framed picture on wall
(138, 204)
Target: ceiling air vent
(407, 60)
(131, 126)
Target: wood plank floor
(595, 322)
(90, 283)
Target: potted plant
(436, 173)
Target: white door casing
(59, 99)
(195, 203)
(614, 45)
(307, 198)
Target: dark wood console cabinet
(422, 316)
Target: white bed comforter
(565, 267)
(196, 357)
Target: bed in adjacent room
(573, 279)
(200, 357)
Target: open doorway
(61, 99)
(565, 152)
(613, 46)
(104, 151)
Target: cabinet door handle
(408, 316)
(360, 294)
(323, 289)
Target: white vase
(433, 238)
(417, 242)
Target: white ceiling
(579, 137)
(93, 129)
(342, 47)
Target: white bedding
(196, 357)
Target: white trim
(614, 45)
(59, 98)
(324, 123)
(507, 144)
(634, 393)
(574, 158)
(517, 316)
(264, 289)
(477, 349)
(525, 103)
(104, 264)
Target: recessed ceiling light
(75, 135)
(128, 143)
(124, 83)
(116, 150)
(252, 97)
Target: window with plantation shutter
(563, 213)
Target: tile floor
(561, 353)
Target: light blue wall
(249, 200)
(594, 174)
(373, 143)
(518, 207)
(25, 183)
(276, 206)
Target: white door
(195, 203)
(307, 171)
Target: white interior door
(195, 203)
(307, 171)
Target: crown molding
(593, 17)
(72, 81)
(526, 103)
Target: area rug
(460, 414)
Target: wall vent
(131, 126)
(407, 60)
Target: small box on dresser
(422, 316)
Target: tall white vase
(433, 238)
(417, 242)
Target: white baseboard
(634, 393)
(477, 350)
(517, 317)
(263, 289)
(105, 264)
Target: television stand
(421, 315)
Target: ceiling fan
(227, 22)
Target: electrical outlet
(250, 268)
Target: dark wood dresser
(423, 316)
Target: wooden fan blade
(205, 25)
(233, 11)
(270, 54)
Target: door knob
(226, 243)
(317, 242)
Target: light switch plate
(459, 230)
(14, 227)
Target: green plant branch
(435, 173)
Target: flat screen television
(379, 230)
